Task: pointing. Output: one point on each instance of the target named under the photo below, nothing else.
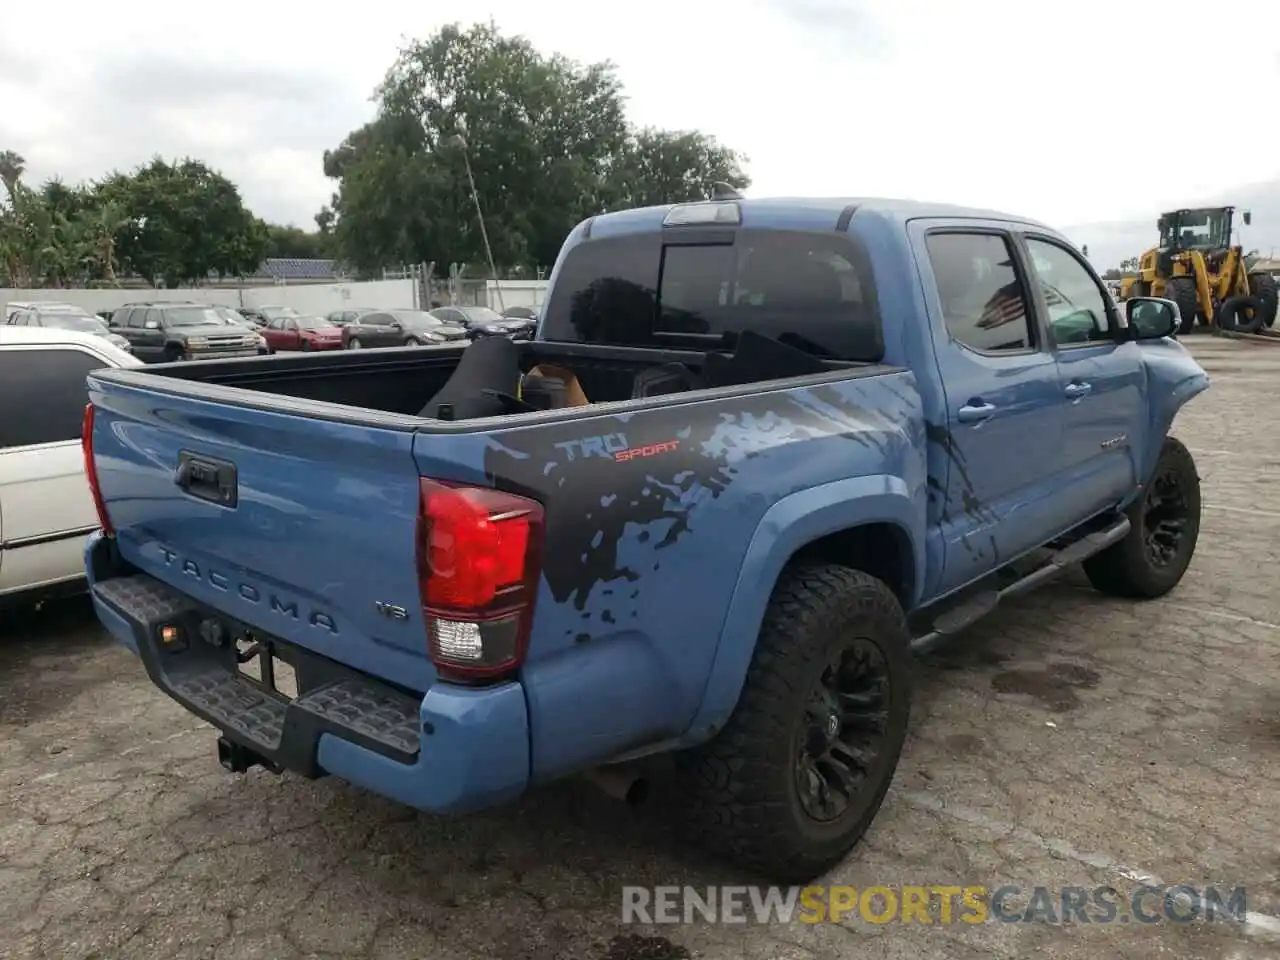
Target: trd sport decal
(615, 447)
(650, 450)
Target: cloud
(991, 103)
(844, 25)
(263, 126)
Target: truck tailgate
(302, 528)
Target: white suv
(46, 510)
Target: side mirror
(1151, 318)
(151, 325)
(1248, 218)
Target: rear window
(811, 290)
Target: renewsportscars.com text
(932, 904)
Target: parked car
(167, 332)
(340, 318)
(234, 318)
(483, 322)
(46, 510)
(13, 306)
(399, 328)
(774, 457)
(69, 320)
(302, 333)
(261, 316)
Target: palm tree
(100, 229)
(12, 166)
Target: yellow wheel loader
(1197, 268)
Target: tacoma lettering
(248, 592)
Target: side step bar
(974, 608)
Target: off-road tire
(740, 789)
(1240, 313)
(1182, 291)
(1263, 286)
(1126, 569)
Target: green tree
(285, 241)
(546, 138)
(184, 222)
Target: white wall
(324, 298)
(95, 300)
(318, 298)
(517, 293)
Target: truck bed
(398, 382)
(302, 518)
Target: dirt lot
(1068, 740)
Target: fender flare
(1162, 421)
(789, 525)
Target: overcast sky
(1035, 108)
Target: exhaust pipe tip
(620, 783)
(637, 793)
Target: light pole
(461, 142)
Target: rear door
(1003, 436)
(44, 499)
(1103, 380)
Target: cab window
(984, 303)
(1077, 306)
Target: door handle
(975, 412)
(1075, 391)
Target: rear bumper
(450, 751)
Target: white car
(13, 306)
(46, 510)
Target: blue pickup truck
(759, 453)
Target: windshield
(482, 315)
(273, 313)
(230, 316)
(195, 317)
(73, 321)
(1194, 228)
(312, 323)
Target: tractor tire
(1263, 286)
(791, 783)
(1182, 291)
(1164, 527)
(1243, 314)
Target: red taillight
(479, 559)
(91, 471)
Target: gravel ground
(1068, 740)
